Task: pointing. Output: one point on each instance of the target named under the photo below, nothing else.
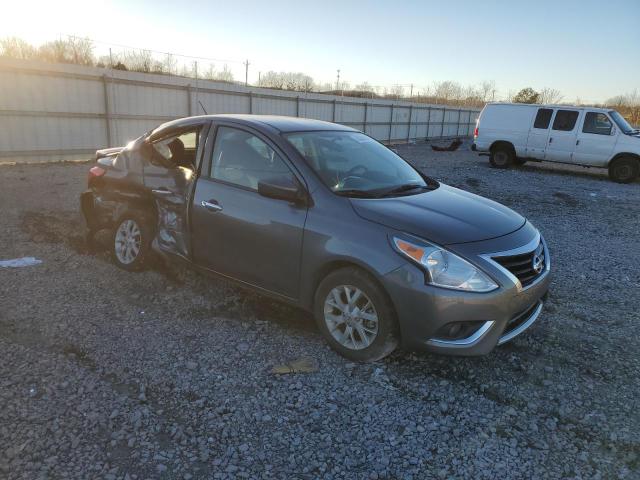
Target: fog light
(458, 330)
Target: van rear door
(562, 138)
(539, 134)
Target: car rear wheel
(131, 241)
(355, 316)
(502, 156)
(624, 169)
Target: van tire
(624, 169)
(502, 156)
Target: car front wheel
(355, 316)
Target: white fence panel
(54, 112)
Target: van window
(565, 120)
(543, 118)
(598, 123)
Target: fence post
(298, 106)
(333, 118)
(250, 102)
(409, 127)
(444, 114)
(428, 122)
(107, 110)
(391, 123)
(189, 104)
(458, 127)
(366, 111)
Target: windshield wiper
(405, 188)
(354, 192)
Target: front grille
(523, 265)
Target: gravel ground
(166, 374)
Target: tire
(624, 169)
(131, 241)
(502, 156)
(363, 336)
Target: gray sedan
(326, 218)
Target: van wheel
(502, 156)
(131, 241)
(355, 316)
(624, 169)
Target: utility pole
(246, 72)
(411, 94)
(338, 81)
(110, 59)
(196, 69)
(259, 78)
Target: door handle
(577, 142)
(551, 140)
(163, 192)
(212, 206)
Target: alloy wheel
(351, 317)
(128, 240)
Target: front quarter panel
(334, 236)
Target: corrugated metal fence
(53, 112)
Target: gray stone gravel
(165, 374)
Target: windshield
(621, 122)
(353, 163)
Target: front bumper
(424, 310)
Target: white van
(512, 133)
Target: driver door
(236, 231)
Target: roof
(279, 123)
(550, 105)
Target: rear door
(539, 134)
(169, 173)
(596, 140)
(562, 137)
(236, 231)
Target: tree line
(80, 51)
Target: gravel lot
(166, 374)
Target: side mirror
(282, 188)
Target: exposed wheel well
(618, 156)
(503, 144)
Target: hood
(445, 216)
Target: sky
(586, 49)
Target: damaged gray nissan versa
(324, 217)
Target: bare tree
(170, 64)
(550, 95)
(487, 91)
(140, 61)
(225, 75)
(15, 47)
(271, 79)
(628, 105)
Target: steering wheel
(354, 171)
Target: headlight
(446, 269)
